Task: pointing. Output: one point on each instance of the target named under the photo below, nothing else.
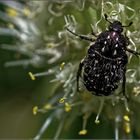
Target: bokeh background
(44, 103)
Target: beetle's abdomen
(101, 75)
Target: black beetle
(104, 66)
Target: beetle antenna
(84, 37)
(128, 24)
(106, 18)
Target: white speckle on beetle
(106, 77)
(114, 66)
(96, 61)
(113, 34)
(105, 42)
(103, 49)
(115, 52)
(108, 37)
(116, 45)
(112, 73)
(91, 81)
(117, 39)
(119, 62)
(97, 75)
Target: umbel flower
(37, 31)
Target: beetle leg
(127, 39)
(129, 50)
(93, 33)
(84, 37)
(123, 85)
(79, 74)
(133, 52)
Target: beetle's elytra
(104, 65)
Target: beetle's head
(116, 25)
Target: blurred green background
(26, 28)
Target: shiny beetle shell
(104, 65)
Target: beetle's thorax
(111, 44)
